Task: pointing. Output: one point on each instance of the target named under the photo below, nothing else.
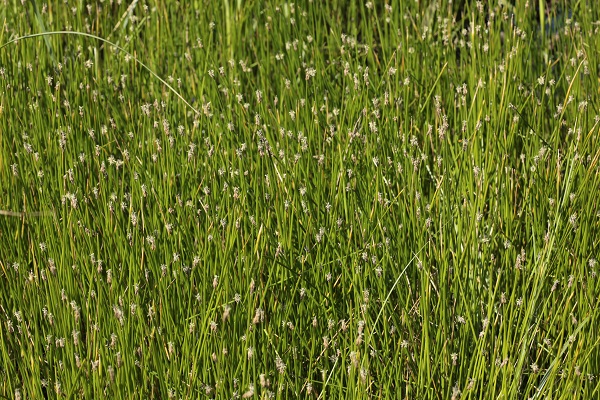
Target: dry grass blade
(25, 214)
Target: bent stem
(89, 35)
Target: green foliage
(319, 199)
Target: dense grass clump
(319, 199)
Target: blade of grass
(89, 35)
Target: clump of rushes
(317, 199)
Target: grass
(361, 200)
